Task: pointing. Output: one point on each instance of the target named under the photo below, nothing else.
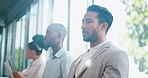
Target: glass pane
(18, 47)
(116, 8)
(77, 45)
(8, 53)
(33, 21)
(1, 50)
(19, 43)
(119, 36)
(9, 41)
(45, 15)
(60, 14)
(23, 31)
(1, 30)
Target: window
(119, 36)
(77, 45)
(60, 13)
(19, 43)
(33, 24)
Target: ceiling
(6, 5)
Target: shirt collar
(98, 46)
(59, 53)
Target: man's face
(50, 38)
(90, 27)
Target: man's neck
(92, 44)
(56, 49)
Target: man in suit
(103, 59)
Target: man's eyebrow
(87, 19)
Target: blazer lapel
(74, 67)
(101, 50)
(96, 54)
(82, 71)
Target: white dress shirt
(58, 65)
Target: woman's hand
(18, 75)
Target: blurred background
(21, 19)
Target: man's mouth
(84, 33)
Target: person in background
(33, 51)
(103, 59)
(60, 59)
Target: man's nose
(83, 26)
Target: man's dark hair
(103, 14)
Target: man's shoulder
(116, 49)
(113, 50)
(66, 56)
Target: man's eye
(89, 21)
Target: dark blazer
(107, 62)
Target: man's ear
(59, 35)
(104, 25)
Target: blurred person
(59, 62)
(103, 59)
(33, 51)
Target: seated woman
(33, 51)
